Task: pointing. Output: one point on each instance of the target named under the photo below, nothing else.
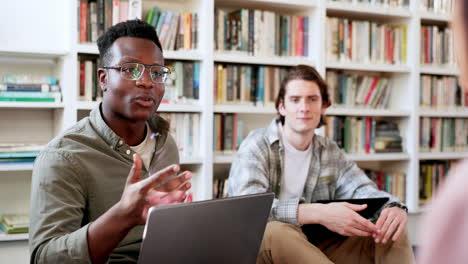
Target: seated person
(287, 158)
(91, 191)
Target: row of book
(89, 89)
(437, 45)
(442, 92)
(183, 86)
(14, 223)
(431, 175)
(391, 182)
(30, 88)
(364, 134)
(247, 84)
(261, 33)
(220, 188)
(384, 3)
(18, 153)
(95, 16)
(227, 133)
(365, 41)
(185, 129)
(357, 90)
(443, 134)
(175, 31)
(438, 6)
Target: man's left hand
(392, 221)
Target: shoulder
(255, 139)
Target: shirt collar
(112, 139)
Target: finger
(159, 177)
(382, 218)
(355, 231)
(174, 182)
(172, 197)
(399, 231)
(365, 224)
(391, 230)
(189, 198)
(356, 207)
(383, 231)
(135, 171)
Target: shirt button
(120, 142)
(128, 152)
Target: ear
(102, 76)
(281, 109)
(324, 109)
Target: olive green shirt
(77, 178)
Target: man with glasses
(94, 184)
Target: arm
(138, 197)
(354, 183)
(250, 173)
(59, 203)
(58, 200)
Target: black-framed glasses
(134, 71)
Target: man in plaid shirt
(287, 158)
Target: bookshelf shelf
(458, 113)
(246, 59)
(88, 48)
(378, 157)
(229, 158)
(31, 105)
(182, 55)
(13, 237)
(31, 53)
(367, 10)
(17, 167)
(366, 112)
(278, 3)
(370, 67)
(91, 48)
(191, 160)
(244, 109)
(224, 158)
(439, 70)
(442, 155)
(82, 105)
(437, 17)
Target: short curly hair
(131, 28)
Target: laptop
(318, 233)
(215, 231)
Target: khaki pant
(286, 243)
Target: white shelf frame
(342, 111)
(366, 9)
(33, 105)
(27, 166)
(244, 109)
(456, 113)
(442, 155)
(242, 58)
(13, 237)
(370, 67)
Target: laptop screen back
(216, 231)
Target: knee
(279, 231)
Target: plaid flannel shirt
(259, 163)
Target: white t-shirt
(296, 166)
(146, 148)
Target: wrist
(310, 213)
(123, 219)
